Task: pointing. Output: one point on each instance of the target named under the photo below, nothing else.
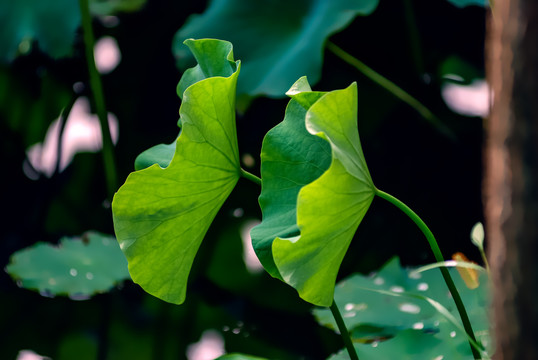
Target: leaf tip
(477, 235)
(301, 85)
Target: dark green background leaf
(77, 267)
(398, 323)
(278, 41)
(51, 23)
(239, 357)
(407, 345)
(464, 3)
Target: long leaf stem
(390, 87)
(97, 92)
(343, 332)
(439, 257)
(251, 177)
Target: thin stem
(251, 177)
(414, 36)
(343, 332)
(485, 260)
(62, 124)
(439, 257)
(97, 92)
(390, 87)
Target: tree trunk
(511, 182)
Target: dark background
(439, 177)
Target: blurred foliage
(459, 71)
(464, 3)
(111, 7)
(271, 38)
(405, 41)
(77, 267)
(52, 25)
(377, 318)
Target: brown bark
(511, 182)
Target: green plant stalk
(63, 122)
(485, 260)
(390, 87)
(414, 37)
(343, 332)
(439, 257)
(97, 92)
(251, 177)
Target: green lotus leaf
(78, 267)
(320, 207)
(291, 158)
(464, 3)
(373, 315)
(162, 214)
(160, 154)
(110, 7)
(455, 69)
(363, 307)
(407, 345)
(278, 41)
(52, 24)
(236, 356)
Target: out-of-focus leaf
(52, 24)
(278, 41)
(236, 356)
(29, 112)
(306, 247)
(77, 346)
(477, 235)
(162, 215)
(361, 307)
(464, 3)
(227, 267)
(467, 272)
(110, 7)
(397, 302)
(406, 345)
(78, 267)
(457, 70)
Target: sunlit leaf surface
(278, 41)
(77, 267)
(291, 158)
(162, 214)
(311, 211)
